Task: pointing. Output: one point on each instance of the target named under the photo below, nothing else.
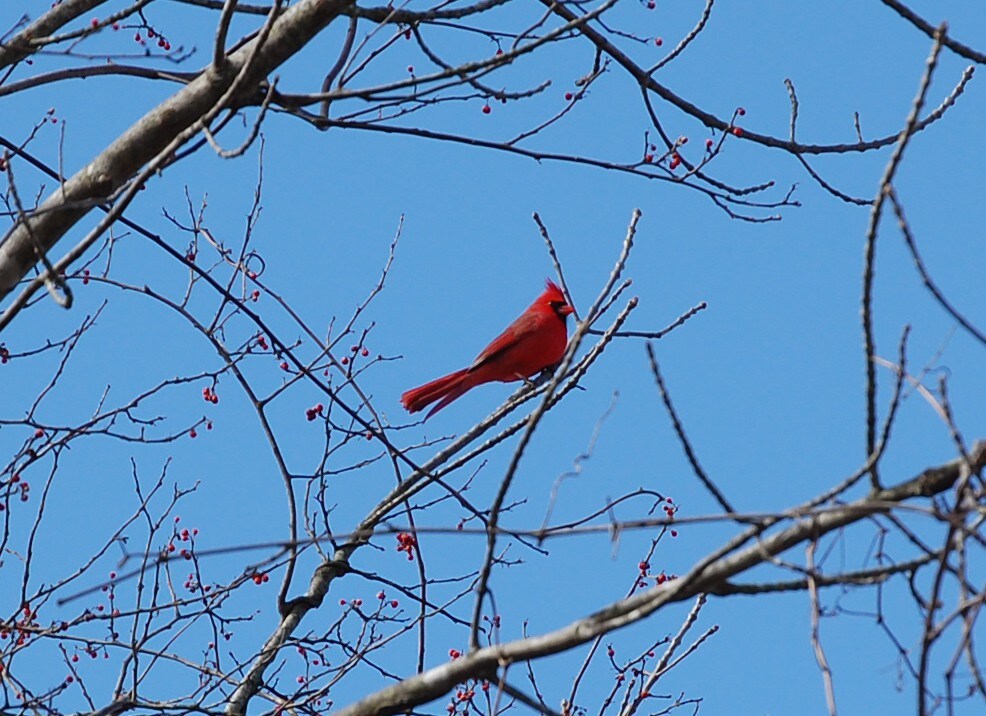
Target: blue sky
(769, 380)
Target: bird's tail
(448, 388)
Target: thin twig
(869, 263)
(683, 437)
(816, 642)
(905, 230)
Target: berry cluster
(669, 510)
(16, 484)
(184, 535)
(464, 694)
(406, 542)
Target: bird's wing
(526, 325)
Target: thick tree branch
(21, 46)
(115, 165)
(709, 576)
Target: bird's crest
(554, 292)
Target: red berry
(740, 111)
(658, 41)
(568, 96)
(487, 109)
(737, 131)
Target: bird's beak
(566, 310)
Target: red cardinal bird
(535, 341)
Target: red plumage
(533, 342)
